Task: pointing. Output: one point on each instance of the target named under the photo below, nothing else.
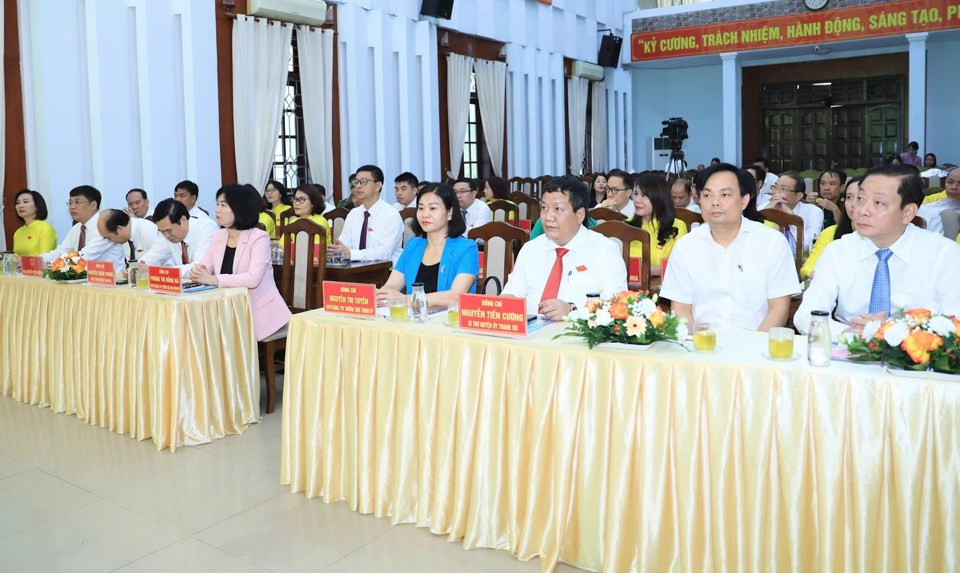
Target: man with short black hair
(187, 193)
(372, 231)
(127, 238)
(405, 190)
(863, 273)
(84, 207)
(184, 241)
(556, 271)
(475, 213)
(137, 204)
(619, 193)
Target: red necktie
(83, 238)
(183, 253)
(363, 232)
(553, 281)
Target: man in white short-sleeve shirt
(922, 268)
(618, 194)
(405, 190)
(557, 270)
(731, 271)
(372, 231)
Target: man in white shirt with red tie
(557, 270)
(84, 207)
(373, 231)
(183, 241)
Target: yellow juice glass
(453, 315)
(398, 310)
(704, 337)
(143, 282)
(780, 344)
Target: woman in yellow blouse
(36, 236)
(655, 215)
(843, 227)
(278, 200)
(308, 203)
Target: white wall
(693, 93)
(943, 109)
(119, 94)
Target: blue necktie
(880, 292)
(790, 239)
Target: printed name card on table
(32, 266)
(165, 280)
(351, 299)
(633, 271)
(500, 315)
(100, 273)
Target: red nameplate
(525, 225)
(483, 257)
(165, 279)
(663, 270)
(353, 299)
(32, 266)
(100, 273)
(633, 273)
(500, 315)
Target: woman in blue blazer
(439, 256)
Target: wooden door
(884, 136)
(781, 139)
(814, 139)
(848, 148)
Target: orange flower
(81, 265)
(618, 310)
(593, 305)
(956, 323)
(918, 314)
(919, 343)
(657, 318)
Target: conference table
(180, 370)
(625, 459)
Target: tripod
(676, 165)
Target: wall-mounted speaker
(437, 8)
(609, 56)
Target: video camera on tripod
(675, 131)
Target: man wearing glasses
(618, 193)
(475, 213)
(185, 238)
(84, 207)
(788, 192)
(372, 231)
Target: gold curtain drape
(179, 370)
(620, 460)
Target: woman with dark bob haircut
(36, 236)
(239, 256)
(439, 256)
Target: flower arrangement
(917, 339)
(628, 318)
(71, 266)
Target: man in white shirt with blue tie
(859, 276)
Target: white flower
(941, 325)
(646, 306)
(603, 317)
(579, 314)
(682, 329)
(900, 301)
(870, 329)
(895, 334)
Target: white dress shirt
(72, 239)
(143, 234)
(731, 286)
(477, 214)
(167, 254)
(594, 264)
(931, 213)
(924, 270)
(199, 213)
(691, 207)
(400, 206)
(629, 210)
(327, 207)
(766, 190)
(812, 222)
(384, 233)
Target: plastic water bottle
(418, 304)
(819, 341)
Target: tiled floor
(77, 498)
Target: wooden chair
(525, 185)
(336, 219)
(284, 219)
(528, 206)
(300, 287)
(795, 223)
(626, 234)
(602, 214)
(689, 217)
(920, 222)
(504, 210)
(408, 215)
(501, 245)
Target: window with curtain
(290, 165)
(476, 158)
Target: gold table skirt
(180, 370)
(624, 460)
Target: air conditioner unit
(586, 70)
(659, 152)
(312, 12)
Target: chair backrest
(501, 210)
(691, 218)
(336, 218)
(951, 223)
(529, 208)
(795, 223)
(602, 214)
(625, 234)
(525, 185)
(284, 219)
(408, 215)
(304, 265)
(920, 222)
(501, 245)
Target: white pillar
(732, 120)
(917, 111)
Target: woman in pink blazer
(239, 256)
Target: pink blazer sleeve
(252, 260)
(214, 254)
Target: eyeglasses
(617, 190)
(299, 200)
(360, 182)
(464, 191)
(76, 202)
(776, 187)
